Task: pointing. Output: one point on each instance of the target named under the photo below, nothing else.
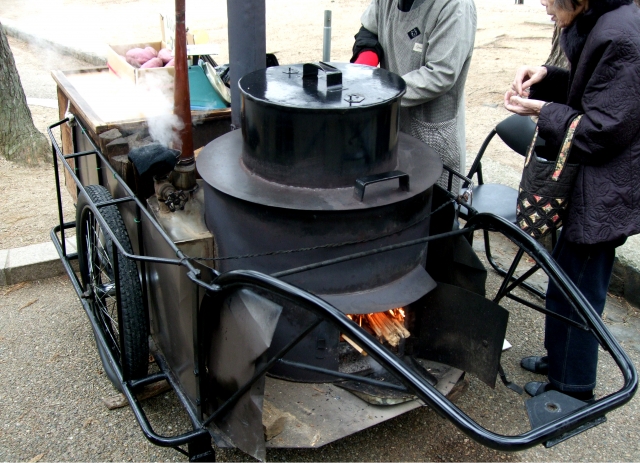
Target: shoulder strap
(565, 148)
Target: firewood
(354, 345)
(404, 333)
(147, 392)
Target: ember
(387, 326)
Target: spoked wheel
(96, 261)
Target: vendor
(429, 43)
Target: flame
(386, 326)
(397, 313)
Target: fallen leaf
(15, 287)
(27, 305)
(36, 458)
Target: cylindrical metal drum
(320, 125)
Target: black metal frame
(476, 169)
(222, 284)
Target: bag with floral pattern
(545, 187)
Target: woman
(601, 39)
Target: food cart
(312, 249)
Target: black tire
(95, 258)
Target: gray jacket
(430, 46)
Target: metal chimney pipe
(326, 42)
(184, 178)
(247, 45)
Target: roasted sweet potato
(165, 55)
(151, 51)
(152, 63)
(137, 56)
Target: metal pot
(320, 125)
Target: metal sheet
(398, 293)
(220, 165)
(238, 343)
(318, 414)
(171, 292)
(462, 329)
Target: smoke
(375, 366)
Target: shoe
(537, 365)
(536, 388)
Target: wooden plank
(119, 401)
(72, 94)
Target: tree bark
(557, 56)
(20, 141)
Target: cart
(137, 272)
(263, 278)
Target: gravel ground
(52, 384)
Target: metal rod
(392, 247)
(522, 278)
(326, 40)
(78, 154)
(337, 374)
(507, 278)
(548, 312)
(111, 202)
(59, 200)
(154, 378)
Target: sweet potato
(165, 55)
(138, 56)
(152, 63)
(151, 51)
(170, 63)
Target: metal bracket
(362, 183)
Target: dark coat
(603, 47)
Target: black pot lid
(322, 86)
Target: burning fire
(387, 326)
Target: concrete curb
(14, 30)
(34, 262)
(625, 281)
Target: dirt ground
(508, 36)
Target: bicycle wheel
(95, 258)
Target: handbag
(545, 187)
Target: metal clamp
(361, 183)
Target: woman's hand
(526, 76)
(522, 106)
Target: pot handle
(334, 76)
(361, 183)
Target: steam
(164, 126)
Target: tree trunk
(20, 141)
(557, 56)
